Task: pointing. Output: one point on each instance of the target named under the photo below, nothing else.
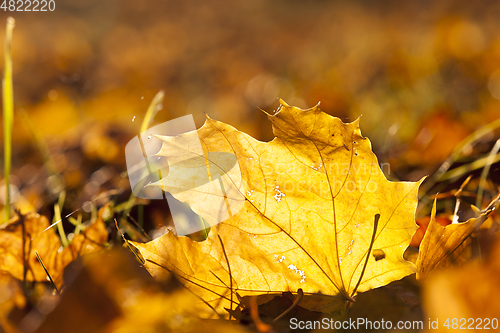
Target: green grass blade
(57, 218)
(8, 112)
(462, 170)
(154, 107)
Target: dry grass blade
(131, 247)
(46, 271)
(484, 174)
(467, 142)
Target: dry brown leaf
(11, 247)
(46, 243)
(311, 201)
(11, 296)
(423, 223)
(442, 245)
(108, 291)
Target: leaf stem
(300, 295)
(375, 226)
(230, 275)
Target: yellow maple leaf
(317, 214)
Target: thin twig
(141, 260)
(138, 226)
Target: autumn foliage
(320, 222)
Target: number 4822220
(28, 6)
(478, 324)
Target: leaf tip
(422, 180)
(356, 124)
(316, 107)
(282, 103)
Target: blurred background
(423, 75)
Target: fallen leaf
(108, 291)
(45, 241)
(316, 207)
(390, 303)
(11, 297)
(423, 224)
(11, 247)
(440, 243)
(466, 296)
(269, 310)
